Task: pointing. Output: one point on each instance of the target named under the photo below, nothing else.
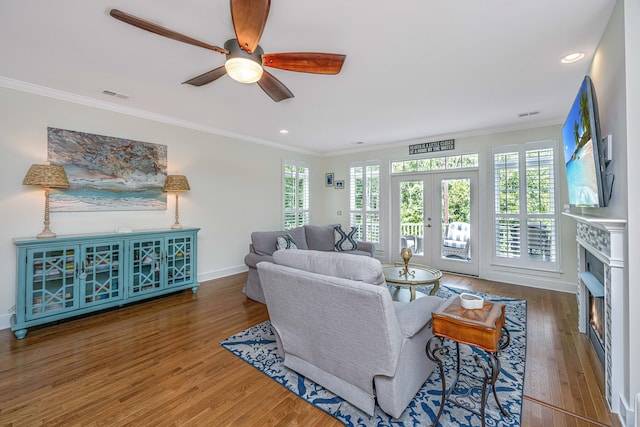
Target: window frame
(302, 215)
(522, 260)
(365, 211)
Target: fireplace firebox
(593, 278)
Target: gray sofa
(308, 237)
(336, 324)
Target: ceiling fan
(245, 58)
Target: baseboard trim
(223, 272)
(540, 282)
(5, 321)
(626, 413)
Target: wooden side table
(483, 328)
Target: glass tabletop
(418, 274)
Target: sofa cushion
(320, 237)
(345, 240)
(347, 266)
(286, 242)
(264, 242)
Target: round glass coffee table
(418, 275)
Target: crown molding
(136, 112)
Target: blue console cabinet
(73, 275)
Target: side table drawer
(481, 327)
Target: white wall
(615, 70)
(235, 185)
(566, 280)
(632, 79)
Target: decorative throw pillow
(286, 242)
(345, 241)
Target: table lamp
(176, 183)
(47, 176)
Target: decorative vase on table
(406, 255)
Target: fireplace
(593, 279)
(600, 291)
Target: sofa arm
(415, 315)
(252, 259)
(367, 247)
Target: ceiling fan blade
(207, 77)
(160, 30)
(274, 87)
(306, 62)
(249, 18)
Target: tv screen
(582, 151)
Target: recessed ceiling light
(284, 131)
(572, 57)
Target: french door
(435, 215)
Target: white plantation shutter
(295, 194)
(541, 207)
(364, 199)
(525, 214)
(507, 204)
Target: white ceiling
(415, 69)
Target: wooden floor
(158, 363)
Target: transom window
(459, 161)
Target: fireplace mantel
(608, 224)
(604, 239)
(613, 252)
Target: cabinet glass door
(179, 261)
(102, 273)
(146, 266)
(52, 281)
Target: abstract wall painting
(107, 173)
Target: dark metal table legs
(436, 351)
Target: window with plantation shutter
(295, 194)
(525, 214)
(364, 199)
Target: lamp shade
(46, 176)
(176, 183)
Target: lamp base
(46, 234)
(176, 226)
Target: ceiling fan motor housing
(235, 51)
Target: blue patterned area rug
(257, 347)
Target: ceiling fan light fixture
(242, 66)
(243, 70)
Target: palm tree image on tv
(579, 152)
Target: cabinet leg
(20, 333)
(195, 289)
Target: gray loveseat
(308, 237)
(336, 324)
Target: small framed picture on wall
(328, 179)
(339, 185)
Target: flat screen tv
(583, 151)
